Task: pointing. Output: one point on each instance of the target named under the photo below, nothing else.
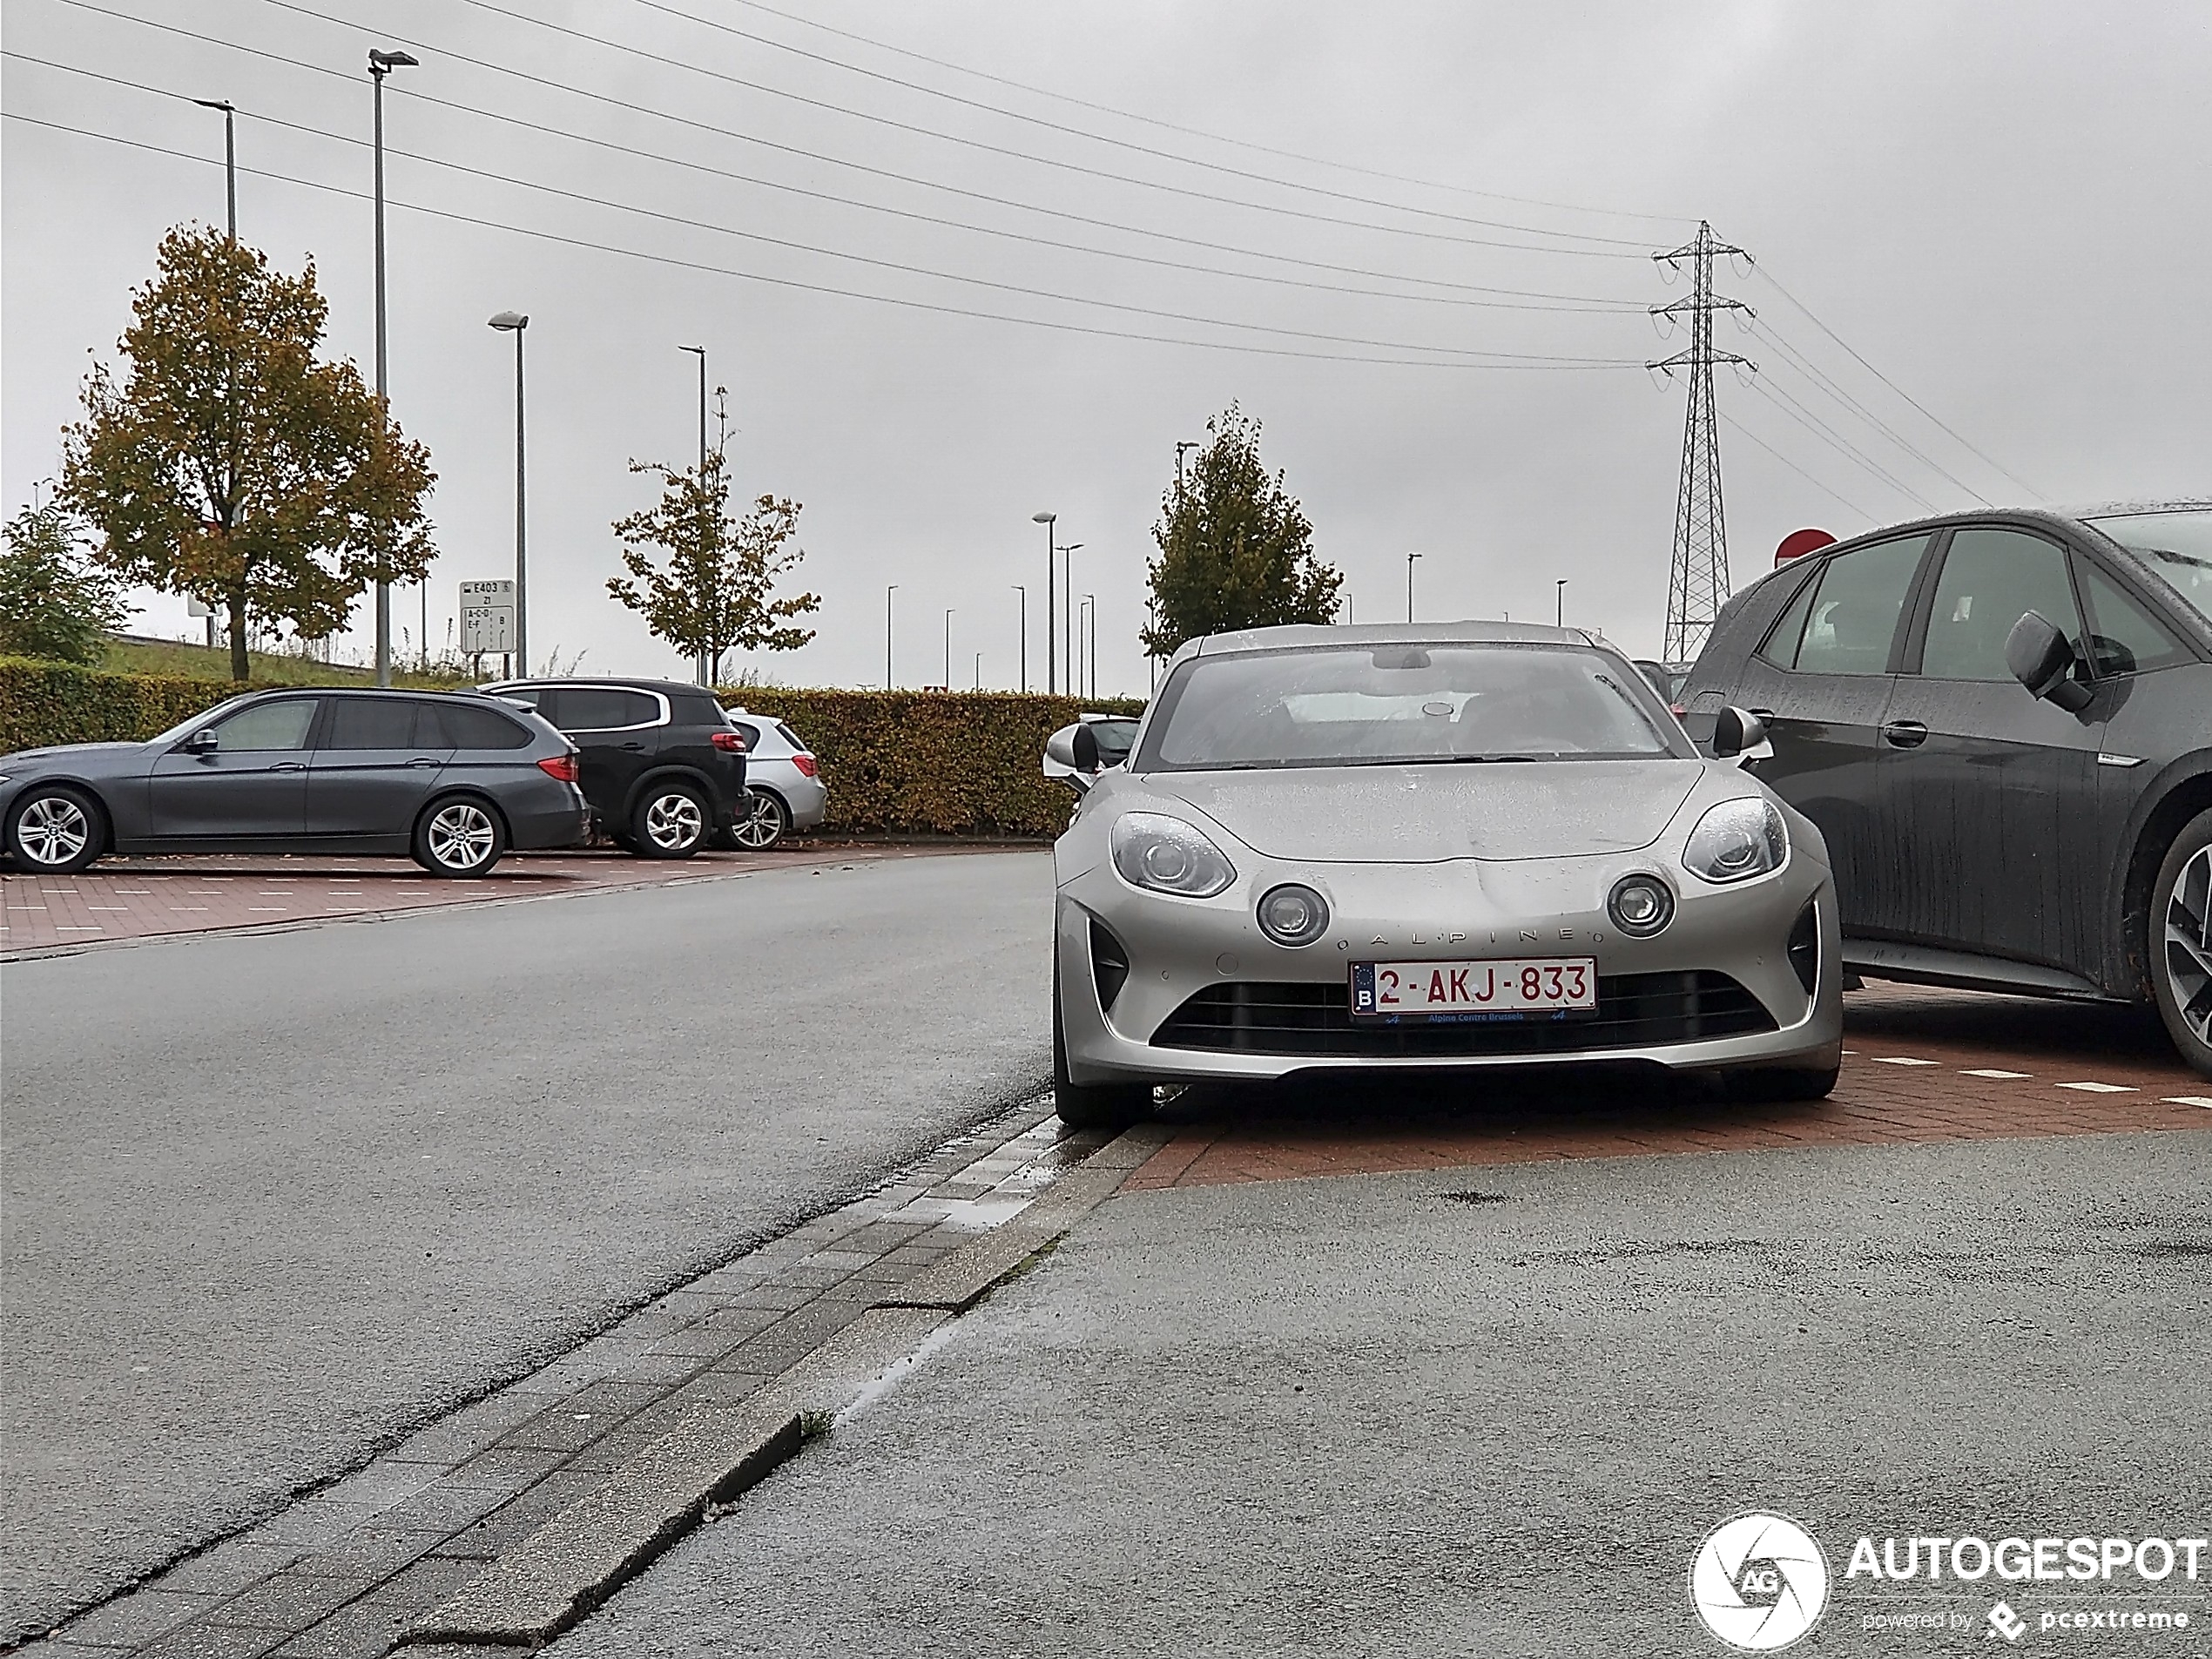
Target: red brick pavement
(1949, 1036)
(141, 898)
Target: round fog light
(1293, 915)
(1640, 905)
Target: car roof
(612, 681)
(1291, 637)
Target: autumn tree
(1236, 550)
(52, 604)
(234, 466)
(703, 580)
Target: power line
(974, 144)
(1893, 385)
(1737, 424)
(947, 276)
(731, 133)
(1200, 133)
(1697, 577)
(792, 282)
(1822, 381)
(1836, 441)
(1592, 307)
(1053, 126)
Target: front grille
(1633, 1011)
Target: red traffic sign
(1797, 543)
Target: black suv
(661, 767)
(2002, 723)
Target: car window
(790, 737)
(1345, 706)
(1781, 647)
(602, 708)
(1990, 578)
(281, 724)
(379, 723)
(749, 732)
(2126, 638)
(469, 726)
(2177, 545)
(1853, 619)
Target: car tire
(56, 829)
(1111, 1106)
(1779, 1083)
(670, 821)
(459, 835)
(765, 821)
(2181, 942)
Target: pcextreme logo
(1758, 1582)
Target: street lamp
(513, 322)
(979, 670)
(887, 592)
(700, 352)
(1080, 640)
(1559, 603)
(1067, 551)
(1410, 557)
(381, 63)
(1051, 577)
(1091, 599)
(230, 156)
(1024, 592)
(949, 648)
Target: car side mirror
(203, 742)
(1083, 748)
(2042, 661)
(1735, 732)
(1060, 760)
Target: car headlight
(1164, 855)
(1736, 840)
(1293, 915)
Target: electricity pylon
(1698, 583)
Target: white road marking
(2102, 1089)
(267, 909)
(119, 909)
(2189, 1100)
(1900, 1060)
(2002, 1076)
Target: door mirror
(2041, 660)
(1083, 748)
(1736, 733)
(203, 742)
(1060, 758)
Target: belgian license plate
(1516, 988)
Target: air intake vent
(1804, 947)
(1108, 965)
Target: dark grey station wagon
(2002, 723)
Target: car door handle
(289, 765)
(421, 761)
(635, 748)
(1905, 735)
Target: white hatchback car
(782, 778)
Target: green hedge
(932, 763)
(45, 703)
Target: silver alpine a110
(1453, 847)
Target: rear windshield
(2178, 546)
(1368, 705)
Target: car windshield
(205, 716)
(1346, 706)
(2178, 546)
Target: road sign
(197, 608)
(487, 617)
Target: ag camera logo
(1758, 1582)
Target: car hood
(1520, 809)
(71, 753)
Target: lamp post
(1080, 640)
(887, 592)
(381, 63)
(1559, 603)
(230, 156)
(979, 670)
(1024, 592)
(1067, 551)
(1051, 577)
(1091, 599)
(949, 648)
(514, 322)
(1410, 557)
(700, 352)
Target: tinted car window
(1990, 578)
(602, 708)
(1781, 647)
(1854, 611)
(2177, 545)
(468, 727)
(269, 725)
(2126, 638)
(379, 723)
(747, 730)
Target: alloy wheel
(762, 826)
(674, 822)
(2188, 943)
(461, 836)
(53, 830)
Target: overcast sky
(2001, 207)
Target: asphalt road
(271, 1200)
(1360, 1416)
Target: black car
(455, 780)
(662, 768)
(2002, 723)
